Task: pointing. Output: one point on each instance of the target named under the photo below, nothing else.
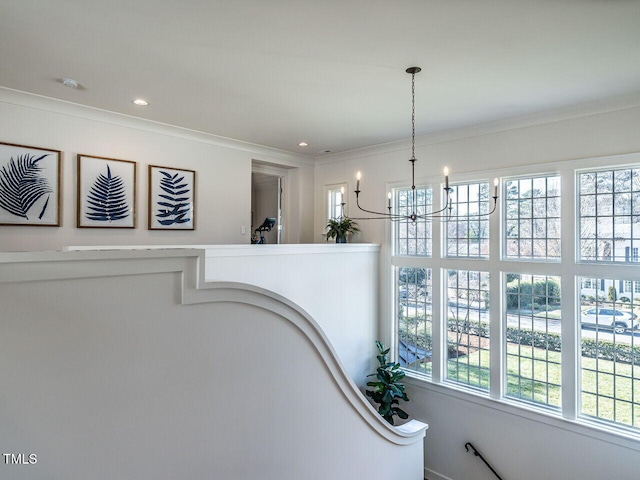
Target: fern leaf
(44, 208)
(22, 184)
(172, 205)
(107, 200)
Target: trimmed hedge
(532, 295)
(615, 352)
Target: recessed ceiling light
(303, 144)
(140, 102)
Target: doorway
(266, 202)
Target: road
(540, 324)
(554, 326)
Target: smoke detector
(70, 82)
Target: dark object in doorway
(266, 226)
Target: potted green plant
(340, 227)
(388, 388)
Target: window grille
(532, 218)
(531, 368)
(414, 238)
(610, 358)
(415, 323)
(533, 341)
(609, 206)
(467, 310)
(468, 235)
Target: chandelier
(443, 213)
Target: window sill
(548, 417)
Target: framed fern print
(29, 186)
(106, 192)
(172, 198)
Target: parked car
(619, 320)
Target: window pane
(608, 202)
(610, 353)
(532, 218)
(467, 301)
(533, 341)
(467, 234)
(413, 237)
(414, 318)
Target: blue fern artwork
(22, 184)
(174, 206)
(107, 199)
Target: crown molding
(575, 111)
(61, 107)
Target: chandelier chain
(413, 116)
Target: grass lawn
(610, 390)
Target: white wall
(115, 366)
(517, 445)
(501, 147)
(336, 284)
(223, 169)
(520, 447)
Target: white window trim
(569, 268)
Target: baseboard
(431, 475)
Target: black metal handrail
(477, 454)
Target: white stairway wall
(336, 284)
(115, 365)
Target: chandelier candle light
(444, 212)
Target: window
(532, 212)
(447, 324)
(533, 340)
(610, 359)
(609, 205)
(467, 233)
(414, 318)
(413, 237)
(336, 199)
(468, 328)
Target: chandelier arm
(449, 217)
(434, 213)
(394, 219)
(382, 215)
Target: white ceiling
(328, 72)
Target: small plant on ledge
(388, 389)
(340, 227)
